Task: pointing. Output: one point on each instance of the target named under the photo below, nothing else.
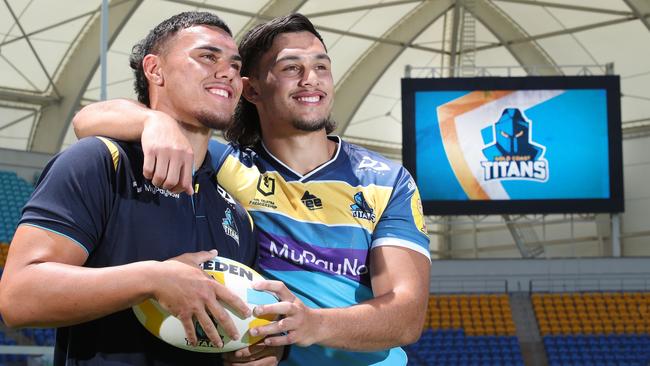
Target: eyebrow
(235, 57)
(320, 56)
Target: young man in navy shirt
(97, 238)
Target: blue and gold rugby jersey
(315, 232)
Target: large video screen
(502, 145)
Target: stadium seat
(14, 193)
(598, 328)
(467, 330)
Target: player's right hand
(188, 293)
(168, 155)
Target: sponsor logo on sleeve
(226, 196)
(368, 163)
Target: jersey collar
(320, 168)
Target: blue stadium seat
(453, 347)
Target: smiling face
(196, 77)
(293, 83)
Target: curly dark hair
(245, 129)
(155, 41)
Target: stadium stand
(577, 329)
(14, 193)
(594, 328)
(467, 330)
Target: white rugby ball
(232, 274)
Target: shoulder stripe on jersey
(112, 148)
(61, 234)
(395, 242)
(250, 219)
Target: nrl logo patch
(266, 185)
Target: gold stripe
(218, 276)
(153, 316)
(447, 114)
(112, 148)
(257, 322)
(241, 182)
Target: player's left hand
(254, 355)
(299, 324)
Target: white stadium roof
(49, 53)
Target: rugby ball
(232, 274)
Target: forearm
(384, 322)
(119, 118)
(56, 294)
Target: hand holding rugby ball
(232, 274)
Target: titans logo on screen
(512, 155)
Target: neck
(198, 138)
(197, 135)
(300, 151)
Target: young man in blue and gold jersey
(341, 226)
(96, 237)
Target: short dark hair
(245, 129)
(155, 41)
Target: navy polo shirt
(94, 194)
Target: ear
(250, 89)
(153, 69)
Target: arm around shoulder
(168, 155)
(122, 119)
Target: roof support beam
(19, 96)
(357, 82)
(360, 8)
(547, 4)
(640, 8)
(560, 32)
(506, 30)
(271, 9)
(73, 79)
(31, 47)
(319, 27)
(58, 24)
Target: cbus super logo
(513, 155)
